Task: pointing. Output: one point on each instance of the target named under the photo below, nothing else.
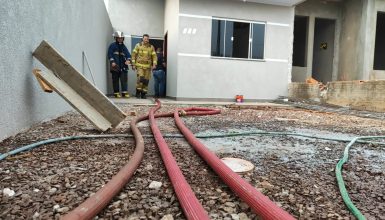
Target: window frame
(250, 43)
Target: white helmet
(118, 34)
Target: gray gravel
(296, 173)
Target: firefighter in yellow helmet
(143, 59)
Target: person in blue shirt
(159, 74)
(119, 58)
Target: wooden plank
(43, 85)
(61, 68)
(75, 100)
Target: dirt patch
(295, 172)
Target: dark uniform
(118, 54)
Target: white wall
(202, 77)
(171, 24)
(71, 26)
(136, 17)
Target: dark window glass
(231, 39)
(258, 42)
(217, 38)
(239, 39)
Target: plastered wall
(71, 26)
(203, 77)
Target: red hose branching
(187, 199)
(258, 202)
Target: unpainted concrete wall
(71, 26)
(351, 53)
(318, 9)
(304, 91)
(202, 77)
(136, 17)
(363, 95)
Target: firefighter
(144, 59)
(119, 58)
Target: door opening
(323, 50)
(379, 50)
(300, 41)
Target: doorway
(156, 42)
(301, 24)
(323, 50)
(379, 49)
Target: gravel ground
(295, 172)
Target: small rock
(62, 210)
(235, 216)
(149, 167)
(167, 217)
(155, 185)
(154, 208)
(52, 190)
(243, 216)
(8, 192)
(229, 204)
(211, 203)
(36, 215)
(244, 206)
(122, 196)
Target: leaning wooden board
(76, 89)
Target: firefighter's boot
(117, 95)
(137, 95)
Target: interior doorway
(301, 24)
(165, 56)
(379, 50)
(323, 50)
(156, 42)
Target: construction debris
(75, 89)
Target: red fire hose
(93, 205)
(193, 210)
(187, 199)
(258, 202)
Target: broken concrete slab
(76, 89)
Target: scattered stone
(155, 185)
(8, 192)
(52, 191)
(167, 217)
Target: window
(235, 39)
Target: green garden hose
(341, 184)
